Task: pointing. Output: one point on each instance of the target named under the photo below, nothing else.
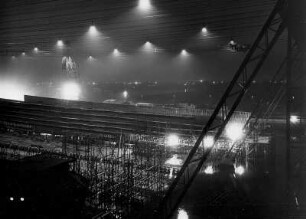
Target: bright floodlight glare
(22, 199)
(209, 170)
(204, 30)
(35, 49)
(148, 46)
(208, 141)
(174, 161)
(239, 170)
(125, 94)
(144, 5)
(116, 52)
(60, 43)
(172, 140)
(294, 119)
(93, 30)
(232, 42)
(11, 199)
(90, 58)
(12, 90)
(184, 52)
(71, 91)
(234, 131)
(182, 214)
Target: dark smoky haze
(153, 109)
(169, 26)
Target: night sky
(169, 25)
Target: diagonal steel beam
(233, 95)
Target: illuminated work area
(152, 109)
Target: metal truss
(122, 174)
(233, 95)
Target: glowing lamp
(35, 49)
(239, 170)
(232, 42)
(182, 214)
(209, 170)
(208, 141)
(204, 30)
(234, 131)
(71, 91)
(125, 94)
(148, 46)
(184, 53)
(60, 43)
(22, 199)
(172, 140)
(116, 52)
(11, 199)
(144, 5)
(294, 119)
(93, 30)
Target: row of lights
(234, 131)
(143, 5)
(21, 199)
(239, 170)
(147, 46)
(93, 32)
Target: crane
(242, 80)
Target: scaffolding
(123, 173)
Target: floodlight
(209, 170)
(172, 140)
(12, 90)
(294, 119)
(239, 170)
(93, 30)
(204, 30)
(116, 52)
(184, 52)
(125, 94)
(234, 131)
(182, 214)
(208, 141)
(71, 91)
(60, 43)
(144, 5)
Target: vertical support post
(288, 105)
(247, 149)
(64, 144)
